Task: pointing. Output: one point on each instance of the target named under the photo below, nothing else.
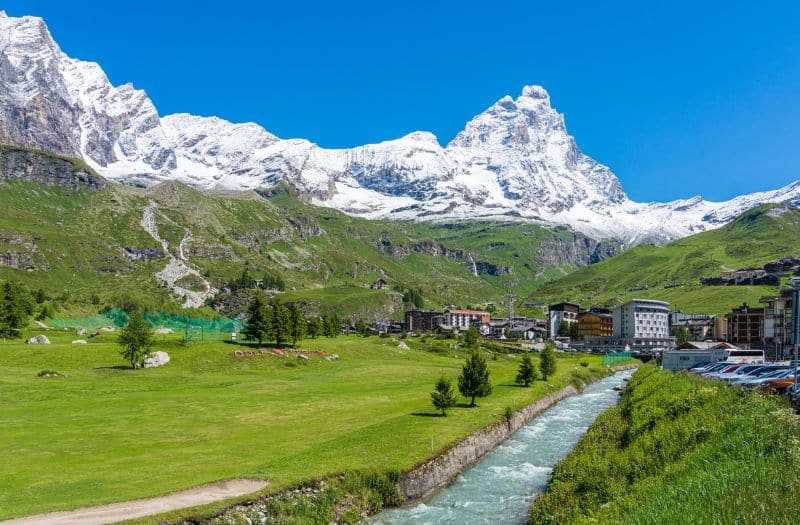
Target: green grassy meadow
(103, 432)
(680, 449)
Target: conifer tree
(443, 396)
(136, 339)
(315, 328)
(526, 373)
(258, 319)
(280, 326)
(297, 324)
(474, 379)
(547, 361)
(14, 312)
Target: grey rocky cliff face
(575, 251)
(49, 169)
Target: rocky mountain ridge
(513, 162)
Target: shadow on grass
(115, 367)
(426, 414)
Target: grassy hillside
(756, 237)
(680, 449)
(70, 239)
(103, 432)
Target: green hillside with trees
(672, 272)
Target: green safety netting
(220, 327)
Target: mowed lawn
(104, 433)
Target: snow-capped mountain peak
(514, 161)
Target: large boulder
(156, 359)
(79, 342)
(80, 331)
(39, 340)
(164, 331)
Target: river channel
(500, 488)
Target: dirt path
(177, 267)
(146, 507)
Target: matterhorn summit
(515, 161)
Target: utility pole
(510, 304)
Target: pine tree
(547, 361)
(474, 379)
(315, 328)
(526, 373)
(14, 311)
(443, 396)
(297, 324)
(136, 339)
(258, 320)
(280, 327)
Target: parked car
(739, 372)
(758, 379)
(758, 383)
(721, 371)
(709, 367)
(778, 386)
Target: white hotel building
(639, 324)
(643, 324)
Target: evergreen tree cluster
(274, 321)
(414, 296)
(246, 281)
(16, 308)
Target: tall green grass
(680, 449)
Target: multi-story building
(463, 319)
(746, 326)
(720, 330)
(561, 313)
(777, 336)
(699, 326)
(419, 321)
(643, 324)
(595, 322)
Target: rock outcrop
(156, 359)
(39, 340)
(47, 168)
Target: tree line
(274, 321)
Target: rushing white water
(501, 487)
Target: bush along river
(500, 488)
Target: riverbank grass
(680, 449)
(101, 432)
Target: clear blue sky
(678, 98)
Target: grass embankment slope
(758, 236)
(104, 433)
(680, 449)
